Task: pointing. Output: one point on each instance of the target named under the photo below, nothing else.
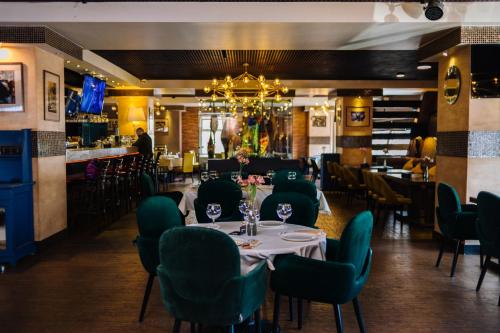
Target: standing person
(144, 143)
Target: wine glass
(204, 176)
(270, 175)
(292, 175)
(284, 211)
(234, 176)
(214, 211)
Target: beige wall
(124, 103)
(350, 155)
(49, 173)
(172, 138)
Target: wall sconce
(136, 114)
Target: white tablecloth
(187, 202)
(272, 244)
(170, 162)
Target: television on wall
(92, 95)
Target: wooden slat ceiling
(285, 64)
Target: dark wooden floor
(95, 284)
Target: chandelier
(246, 89)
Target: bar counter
(85, 154)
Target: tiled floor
(95, 284)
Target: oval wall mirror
(452, 85)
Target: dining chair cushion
(154, 216)
(453, 222)
(147, 186)
(303, 209)
(201, 281)
(488, 225)
(226, 193)
(337, 280)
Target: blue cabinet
(16, 196)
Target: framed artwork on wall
(51, 97)
(161, 126)
(11, 87)
(358, 116)
(318, 121)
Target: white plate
(205, 225)
(298, 236)
(271, 224)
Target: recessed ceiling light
(445, 53)
(400, 75)
(86, 69)
(113, 81)
(144, 80)
(68, 61)
(77, 66)
(424, 67)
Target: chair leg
(441, 250)
(193, 327)
(483, 272)
(338, 318)
(147, 292)
(481, 257)
(299, 313)
(177, 326)
(276, 314)
(290, 307)
(257, 328)
(359, 315)
(455, 257)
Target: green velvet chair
(303, 209)
(281, 176)
(201, 282)
(226, 193)
(154, 216)
(488, 230)
(148, 190)
(300, 186)
(457, 222)
(337, 280)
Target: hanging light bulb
(277, 81)
(214, 82)
(206, 90)
(228, 78)
(278, 97)
(214, 97)
(262, 78)
(284, 90)
(246, 79)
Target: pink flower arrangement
(251, 184)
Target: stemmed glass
(292, 175)
(204, 176)
(284, 211)
(270, 175)
(214, 211)
(234, 176)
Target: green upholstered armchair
(154, 216)
(303, 210)
(226, 193)
(148, 190)
(300, 186)
(281, 176)
(488, 230)
(337, 280)
(457, 222)
(201, 281)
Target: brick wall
(190, 130)
(300, 141)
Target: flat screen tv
(92, 95)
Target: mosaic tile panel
(48, 143)
(480, 34)
(354, 141)
(476, 144)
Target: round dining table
(270, 243)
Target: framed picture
(11, 87)
(161, 126)
(357, 116)
(51, 97)
(318, 121)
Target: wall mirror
(452, 85)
